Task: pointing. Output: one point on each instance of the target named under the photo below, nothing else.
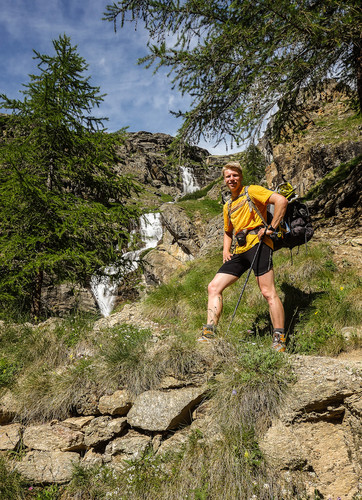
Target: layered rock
(144, 156)
(323, 139)
(317, 430)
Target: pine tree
(63, 211)
(238, 60)
(254, 164)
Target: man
(238, 218)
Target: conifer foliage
(239, 59)
(62, 206)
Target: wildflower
(246, 454)
(30, 488)
(341, 288)
(233, 392)
(316, 312)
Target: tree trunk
(36, 298)
(357, 53)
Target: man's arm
(228, 238)
(280, 205)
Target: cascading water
(189, 183)
(104, 288)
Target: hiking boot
(278, 341)
(208, 333)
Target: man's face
(233, 179)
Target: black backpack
(296, 227)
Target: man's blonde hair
(232, 165)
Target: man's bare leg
(276, 309)
(267, 288)
(215, 289)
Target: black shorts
(240, 262)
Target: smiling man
(249, 231)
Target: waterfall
(103, 287)
(189, 183)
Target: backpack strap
(230, 202)
(252, 206)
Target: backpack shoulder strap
(230, 202)
(250, 201)
(252, 205)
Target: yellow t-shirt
(242, 218)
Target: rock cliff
(326, 137)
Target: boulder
(175, 443)
(9, 407)
(164, 410)
(117, 403)
(78, 423)
(103, 429)
(159, 266)
(47, 466)
(131, 446)
(53, 436)
(176, 221)
(87, 404)
(171, 246)
(213, 237)
(92, 458)
(10, 436)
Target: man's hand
(226, 255)
(262, 232)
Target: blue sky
(136, 98)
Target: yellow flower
(341, 287)
(316, 312)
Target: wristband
(271, 228)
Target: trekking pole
(246, 281)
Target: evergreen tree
(254, 164)
(62, 205)
(239, 59)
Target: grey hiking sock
(279, 330)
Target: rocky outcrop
(323, 138)
(304, 166)
(62, 299)
(319, 427)
(344, 201)
(144, 156)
